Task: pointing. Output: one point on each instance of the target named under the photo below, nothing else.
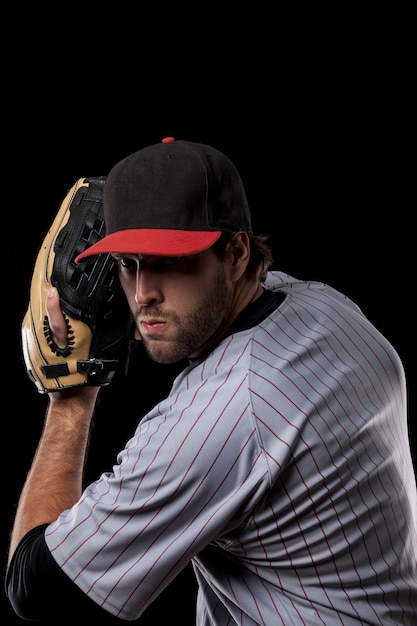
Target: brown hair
(260, 259)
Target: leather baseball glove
(94, 306)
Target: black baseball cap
(173, 198)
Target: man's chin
(159, 351)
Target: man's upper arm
(38, 589)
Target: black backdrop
(321, 142)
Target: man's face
(178, 303)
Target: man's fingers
(56, 319)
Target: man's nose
(147, 290)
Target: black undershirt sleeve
(38, 589)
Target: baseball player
(279, 465)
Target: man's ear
(240, 251)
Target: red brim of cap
(153, 241)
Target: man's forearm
(54, 482)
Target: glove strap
(93, 367)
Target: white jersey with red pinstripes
(280, 465)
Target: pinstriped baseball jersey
(279, 465)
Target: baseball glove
(94, 306)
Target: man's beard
(196, 328)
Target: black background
(316, 115)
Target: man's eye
(126, 262)
(157, 264)
(172, 260)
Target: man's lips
(152, 326)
